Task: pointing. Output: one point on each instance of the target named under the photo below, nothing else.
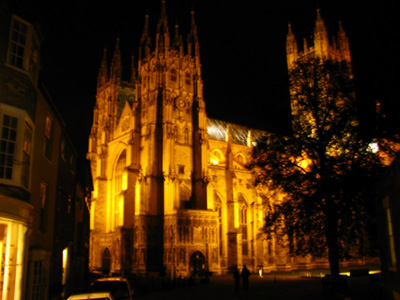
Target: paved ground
(270, 287)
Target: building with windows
(171, 190)
(40, 203)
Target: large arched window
(243, 225)
(218, 209)
(216, 157)
(118, 188)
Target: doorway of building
(106, 262)
(197, 264)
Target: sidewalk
(269, 287)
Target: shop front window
(12, 245)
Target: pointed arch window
(240, 158)
(188, 78)
(186, 136)
(119, 187)
(173, 74)
(243, 225)
(119, 172)
(218, 209)
(216, 157)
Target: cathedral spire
(321, 41)
(133, 71)
(291, 47)
(343, 44)
(103, 73)
(116, 68)
(193, 41)
(162, 35)
(144, 49)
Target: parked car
(92, 296)
(118, 287)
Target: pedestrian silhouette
(245, 278)
(236, 276)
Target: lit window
(216, 157)
(119, 186)
(12, 245)
(7, 146)
(119, 170)
(243, 225)
(218, 208)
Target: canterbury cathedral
(171, 189)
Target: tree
(324, 168)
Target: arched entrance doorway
(106, 262)
(197, 264)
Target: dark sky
(242, 49)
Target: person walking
(245, 278)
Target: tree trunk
(332, 238)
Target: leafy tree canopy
(324, 169)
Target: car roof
(100, 295)
(112, 279)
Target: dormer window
(17, 43)
(23, 47)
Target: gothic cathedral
(171, 191)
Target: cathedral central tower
(148, 151)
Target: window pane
(5, 133)
(7, 146)
(17, 44)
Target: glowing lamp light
(64, 265)
(373, 147)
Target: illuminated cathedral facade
(171, 189)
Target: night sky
(242, 48)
